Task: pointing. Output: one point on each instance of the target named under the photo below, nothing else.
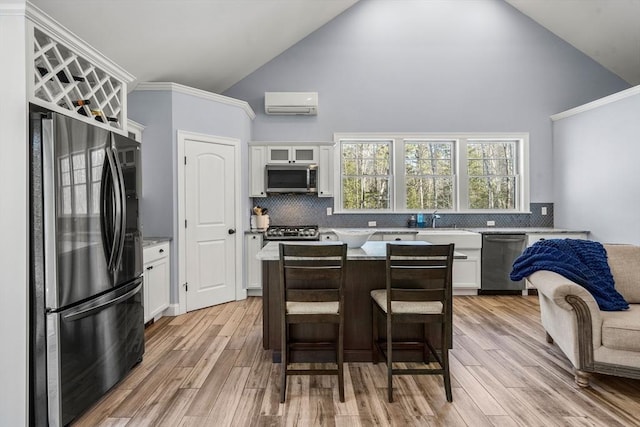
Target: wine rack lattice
(65, 79)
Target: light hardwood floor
(208, 368)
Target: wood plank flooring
(208, 368)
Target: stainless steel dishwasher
(498, 253)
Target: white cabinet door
(257, 161)
(156, 280)
(279, 154)
(292, 154)
(304, 154)
(325, 171)
(253, 265)
(466, 272)
(398, 236)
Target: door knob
(232, 231)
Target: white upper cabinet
(293, 154)
(325, 171)
(257, 162)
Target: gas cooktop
(292, 232)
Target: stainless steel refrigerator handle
(89, 311)
(118, 201)
(123, 207)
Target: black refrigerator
(86, 313)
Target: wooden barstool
(311, 290)
(419, 290)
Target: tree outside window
(366, 175)
(429, 180)
(449, 172)
(492, 171)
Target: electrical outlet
(329, 213)
(543, 211)
(372, 223)
(491, 223)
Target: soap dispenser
(412, 222)
(420, 220)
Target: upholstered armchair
(606, 342)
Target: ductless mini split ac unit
(302, 103)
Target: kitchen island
(365, 271)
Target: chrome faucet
(433, 218)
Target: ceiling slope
(213, 44)
(205, 44)
(606, 30)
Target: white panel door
(209, 205)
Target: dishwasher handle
(518, 238)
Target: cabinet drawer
(154, 252)
(398, 236)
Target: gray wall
(437, 66)
(163, 113)
(596, 172)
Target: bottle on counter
(420, 220)
(412, 222)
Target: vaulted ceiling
(213, 44)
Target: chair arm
(579, 331)
(557, 287)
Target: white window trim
(460, 173)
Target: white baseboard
(172, 310)
(254, 292)
(462, 291)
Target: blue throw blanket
(581, 261)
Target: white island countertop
(372, 250)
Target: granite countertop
(372, 250)
(255, 231)
(151, 241)
(395, 230)
(524, 230)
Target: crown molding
(597, 103)
(13, 9)
(187, 90)
(75, 43)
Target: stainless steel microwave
(288, 178)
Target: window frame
(340, 171)
(461, 178)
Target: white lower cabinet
(466, 272)
(253, 243)
(156, 280)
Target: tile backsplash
(312, 210)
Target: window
(366, 175)
(425, 172)
(429, 179)
(492, 173)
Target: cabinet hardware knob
(150, 267)
(397, 238)
(232, 231)
(161, 250)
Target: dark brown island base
(365, 272)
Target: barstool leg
(283, 363)
(341, 361)
(445, 363)
(389, 360)
(375, 357)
